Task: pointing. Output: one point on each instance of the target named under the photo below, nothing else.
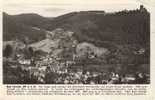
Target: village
(60, 59)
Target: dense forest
(120, 27)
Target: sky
(53, 8)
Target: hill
(21, 27)
(97, 27)
(32, 19)
(126, 27)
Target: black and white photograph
(73, 43)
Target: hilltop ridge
(123, 27)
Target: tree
(8, 51)
(31, 51)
